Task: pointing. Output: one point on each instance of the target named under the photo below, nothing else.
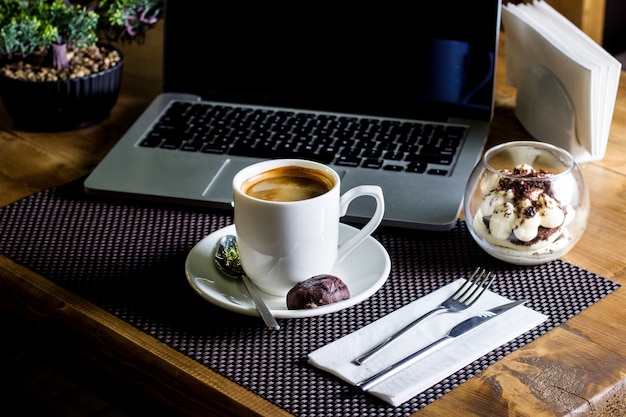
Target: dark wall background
(614, 38)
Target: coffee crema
(288, 183)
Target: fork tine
(476, 285)
(462, 291)
(482, 286)
(467, 285)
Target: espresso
(288, 183)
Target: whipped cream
(519, 211)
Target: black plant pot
(54, 106)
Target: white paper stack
(541, 43)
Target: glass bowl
(526, 202)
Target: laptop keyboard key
(326, 155)
(396, 168)
(151, 141)
(172, 143)
(191, 146)
(417, 167)
(394, 156)
(348, 161)
(373, 163)
(373, 154)
(436, 171)
(243, 147)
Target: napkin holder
(546, 111)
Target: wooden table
(580, 365)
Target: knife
(461, 328)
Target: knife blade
(461, 328)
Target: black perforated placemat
(128, 258)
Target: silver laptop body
(366, 66)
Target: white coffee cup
(282, 242)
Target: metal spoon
(227, 260)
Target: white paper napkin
(337, 356)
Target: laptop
(397, 95)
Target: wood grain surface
(578, 368)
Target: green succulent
(50, 28)
(128, 20)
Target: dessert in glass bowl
(526, 202)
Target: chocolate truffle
(317, 291)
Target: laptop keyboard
(373, 143)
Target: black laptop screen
(391, 61)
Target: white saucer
(364, 271)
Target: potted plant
(59, 69)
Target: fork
(466, 295)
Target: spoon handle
(265, 313)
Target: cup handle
(468, 95)
(361, 191)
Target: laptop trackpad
(220, 187)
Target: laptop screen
(396, 62)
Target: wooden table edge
(45, 301)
